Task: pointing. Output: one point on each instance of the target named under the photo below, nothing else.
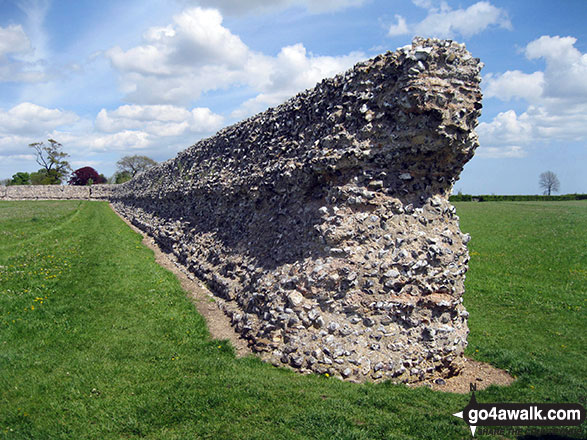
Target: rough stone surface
(323, 224)
(56, 192)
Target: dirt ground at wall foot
(482, 375)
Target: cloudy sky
(111, 78)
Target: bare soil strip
(480, 374)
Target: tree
(44, 177)
(121, 177)
(86, 176)
(549, 182)
(52, 159)
(21, 178)
(135, 164)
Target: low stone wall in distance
(323, 224)
(56, 192)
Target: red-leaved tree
(86, 176)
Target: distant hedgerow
(514, 198)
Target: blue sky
(112, 78)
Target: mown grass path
(97, 341)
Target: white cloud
(159, 120)
(553, 48)
(14, 145)
(122, 141)
(512, 151)
(557, 98)
(142, 60)
(564, 80)
(149, 129)
(178, 62)
(203, 120)
(35, 12)
(466, 22)
(31, 119)
(292, 71)
(559, 124)
(240, 7)
(196, 39)
(445, 22)
(566, 67)
(24, 124)
(509, 132)
(15, 46)
(22, 156)
(13, 40)
(504, 136)
(515, 84)
(401, 28)
(507, 127)
(328, 5)
(195, 54)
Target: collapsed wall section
(323, 224)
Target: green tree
(135, 164)
(21, 178)
(121, 177)
(52, 160)
(44, 177)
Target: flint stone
(295, 298)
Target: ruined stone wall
(56, 192)
(323, 224)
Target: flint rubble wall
(55, 192)
(323, 225)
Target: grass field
(97, 341)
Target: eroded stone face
(323, 224)
(56, 192)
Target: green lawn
(97, 341)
